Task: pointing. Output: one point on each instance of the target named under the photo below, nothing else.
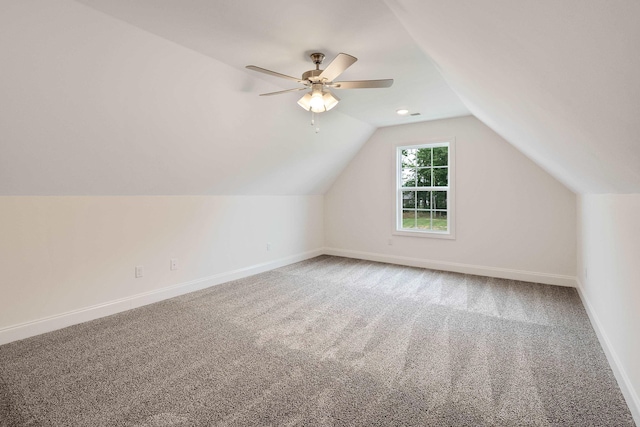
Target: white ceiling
(280, 34)
(557, 79)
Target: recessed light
(402, 112)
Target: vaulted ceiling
(151, 96)
(557, 79)
(280, 35)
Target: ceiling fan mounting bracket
(317, 59)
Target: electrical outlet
(390, 241)
(173, 264)
(268, 246)
(139, 271)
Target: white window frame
(397, 194)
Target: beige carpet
(329, 341)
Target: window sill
(425, 234)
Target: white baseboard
(503, 273)
(629, 393)
(59, 321)
(51, 323)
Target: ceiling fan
(320, 98)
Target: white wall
(512, 219)
(62, 255)
(609, 278)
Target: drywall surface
(609, 276)
(63, 254)
(91, 105)
(510, 214)
(557, 79)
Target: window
(424, 190)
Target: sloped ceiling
(109, 97)
(557, 79)
(151, 96)
(280, 35)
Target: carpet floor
(326, 342)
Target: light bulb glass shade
(305, 101)
(330, 100)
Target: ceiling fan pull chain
(315, 121)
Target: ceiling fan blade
(362, 84)
(272, 73)
(283, 91)
(337, 66)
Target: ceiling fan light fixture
(318, 101)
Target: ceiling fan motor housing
(312, 75)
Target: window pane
(408, 219)
(408, 199)
(423, 169)
(424, 177)
(409, 157)
(424, 200)
(440, 177)
(440, 199)
(424, 220)
(408, 177)
(440, 221)
(423, 157)
(440, 156)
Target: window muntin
(423, 192)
